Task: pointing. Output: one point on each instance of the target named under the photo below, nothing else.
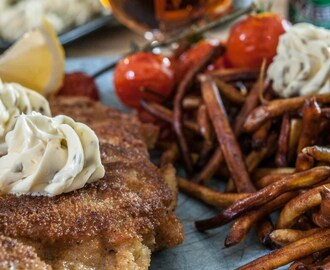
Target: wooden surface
(110, 41)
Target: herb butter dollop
(49, 156)
(302, 64)
(14, 100)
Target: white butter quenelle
(49, 156)
(302, 64)
(14, 100)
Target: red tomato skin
(79, 84)
(220, 63)
(141, 71)
(191, 57)
(255, 38)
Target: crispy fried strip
(304, 222)
(281, 158)
(191, 102)
(322, 217)
(310, 124)
(256, 157)
(263, 230)
(211, 167)
(148, 92)
(229, 146)
(204, 123)
(320, 153)
(205, 152)
(182, 46)
(291, 252)
(209, 196)
(276, 108)
(309, 262)
(284, 237)
(297, 265)
(268, 193)
(166, 115)
(265, 227)
(206, 131)
(262, 172)
(243, 224)
(230, 92)
(170, 155)
(269, 179)
(236, 74)
(251, 102)
(259, 137)
(183, 87)
(261, 82)
(295, 131)
(304, 162)
(298, 206)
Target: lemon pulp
(36, 61)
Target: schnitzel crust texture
(113, 223)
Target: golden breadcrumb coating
(113, 223)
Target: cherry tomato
(143, 75)
(191, 57)
(146, 117)
(221, 63)
(255, 38)
(79, 84)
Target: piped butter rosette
(302, 64)
(49, 156)
(14, 100)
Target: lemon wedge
(106, 4)
(36, 61)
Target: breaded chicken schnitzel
(113, 223)
(15, 255)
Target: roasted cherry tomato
(143, 75)
(79, 84)
(221, 63)
(191, 57)
(255, 38)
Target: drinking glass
(161, 19)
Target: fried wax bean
(298, 206)
(310, 124)
(298, 249)
(277, 108)
(230, 92)
(209, 196)
(268, 193)
(229, 146)
(281, 158)
(181, 92)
